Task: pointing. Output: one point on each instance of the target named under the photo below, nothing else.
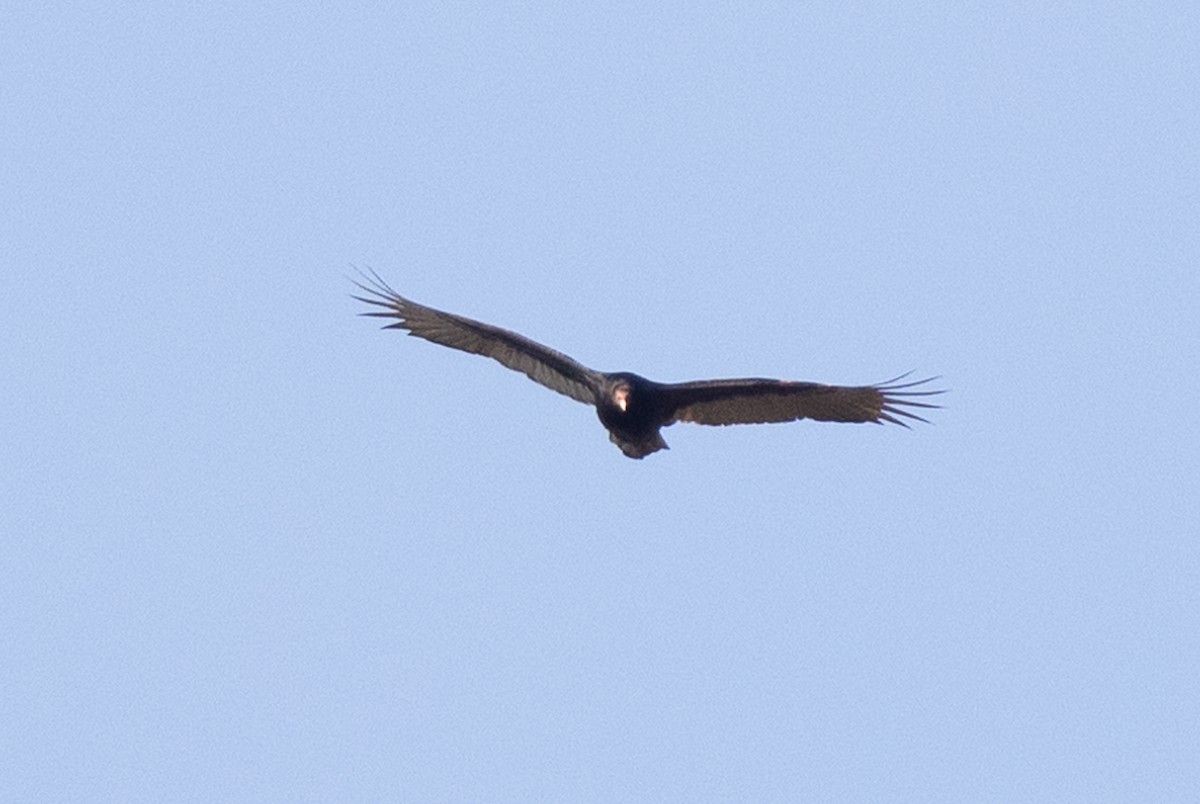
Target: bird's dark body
(636, 428)
(632, 408)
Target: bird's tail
(640, 449)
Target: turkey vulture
(633, 408)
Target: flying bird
(633, 409)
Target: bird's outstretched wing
(540, 363)
(757, 401)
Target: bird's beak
(621, 398)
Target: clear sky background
(256, 549)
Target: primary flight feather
(634, 409)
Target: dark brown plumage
(632, 408)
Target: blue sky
(256, 549)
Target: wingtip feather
(900, 397)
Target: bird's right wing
(757, 401)
(540, 363)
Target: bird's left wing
(757, 401)
(540, 363)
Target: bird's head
(620, 396)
